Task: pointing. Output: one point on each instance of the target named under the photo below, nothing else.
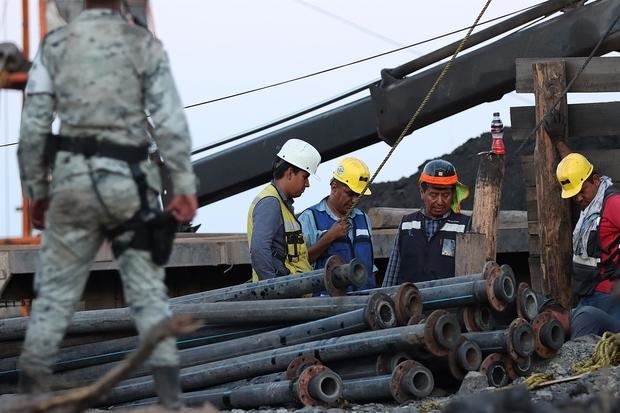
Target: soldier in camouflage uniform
(99, 75)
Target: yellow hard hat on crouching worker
(571, 172)
(353, 173)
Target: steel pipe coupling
(340, 275)
(411, 380)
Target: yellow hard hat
(353, 173)
(571, 172)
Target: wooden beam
(605, 162)
(600, 75)
(470, 255)
(386, 217)
(553, 211)
(487, 194)
(584, 120)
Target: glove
(555, 124)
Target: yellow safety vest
(296, 259)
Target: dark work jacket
(586, 272)
(422, 259)
(360, 247)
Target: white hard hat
(300, 154)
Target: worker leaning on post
(425, 245)
(277, 245)
(596, 235)
(328, 232)
(100, 75)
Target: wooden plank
(536, 275)
(553, 211)
(605, 162)
(470, 254)
(488, 191)
(386, 217)
(584, 120)
(600, 75)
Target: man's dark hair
(591, 177)
(426, 185)
(280, 166)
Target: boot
(168, 386)
(34, 382)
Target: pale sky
(220, 48)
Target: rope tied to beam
(413, 118)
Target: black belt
(90, 146)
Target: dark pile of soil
(404, 193)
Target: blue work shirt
(312, 233)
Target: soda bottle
(497, 133)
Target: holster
(153, 229)
(161, 230)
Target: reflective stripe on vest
(451, 227)
(296, 260)
(406, 226)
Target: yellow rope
(422, 105)
(537, 379)
(606, 354)
(429, 406)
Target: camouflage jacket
(100, 76)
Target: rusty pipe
(378, 314)
(494, 367)
(489, 268)
(517, 340)
(316, 386)
(405, 338)
(527, 302)
(112, 350)
(478, 317)
(277, 311)
(548, 334)
(335, 278)
(410, 380)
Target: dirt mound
(404, 192)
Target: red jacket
(609, 232)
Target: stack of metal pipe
(264, 344)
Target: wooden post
(488, 192)
(480, 245)
(553, 212)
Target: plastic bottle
(497, 133)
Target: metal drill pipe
(494, 367)
(335, 278)
(517, 340)
(439, 334)
(473, 292)
(488, 269)
(323, 388)
(410, 380)
(378, 314)
(423, 284)
(235, 312)
(548, 334)
(112, 350)
(450, 370)
(378, 365)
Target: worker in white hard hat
(330, 231)
(277, 245)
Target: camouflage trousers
(76, 223)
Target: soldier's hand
(37, 212)
(339, 229)
(183, 207)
